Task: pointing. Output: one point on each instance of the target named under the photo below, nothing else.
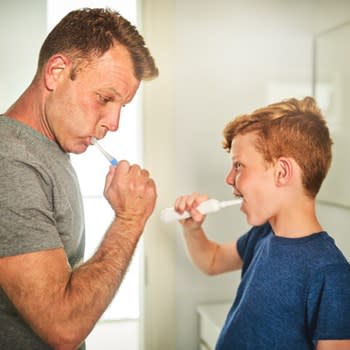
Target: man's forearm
(93, 284)
(61, 305)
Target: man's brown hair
(86, 33)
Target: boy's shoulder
(322, 251)
(255, 235)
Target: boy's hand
(190, 203)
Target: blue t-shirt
(293, 293)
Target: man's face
(89, 106)
(252, 179)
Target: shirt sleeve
(27, 221)
(329, 303)
(247, 243)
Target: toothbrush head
(93, 140)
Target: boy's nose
(230, 178)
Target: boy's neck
(298, 221)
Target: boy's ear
(56, 67)
(283, 171)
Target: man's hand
(131, 192)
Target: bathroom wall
(20, 41)
(224, 58)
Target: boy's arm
(210, 257)
(333, 344)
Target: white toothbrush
(210, 206)
(110, 158)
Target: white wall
(23, 28)
(159, 149)
(230, 57)
(334, 219)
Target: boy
(295, 288)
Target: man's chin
(78, 148)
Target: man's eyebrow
(117, 94)
(111, 90)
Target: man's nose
(111, 119)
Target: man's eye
(103, 99)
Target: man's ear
(56, 67)
(283, 171)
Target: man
(90, 66)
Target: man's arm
(62, 305)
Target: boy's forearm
(199, 247)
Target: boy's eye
(237, 165)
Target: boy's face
(252, 179)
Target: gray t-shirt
(40, 208)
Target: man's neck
(28, 109)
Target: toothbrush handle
(169, 215)
(206, 207)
